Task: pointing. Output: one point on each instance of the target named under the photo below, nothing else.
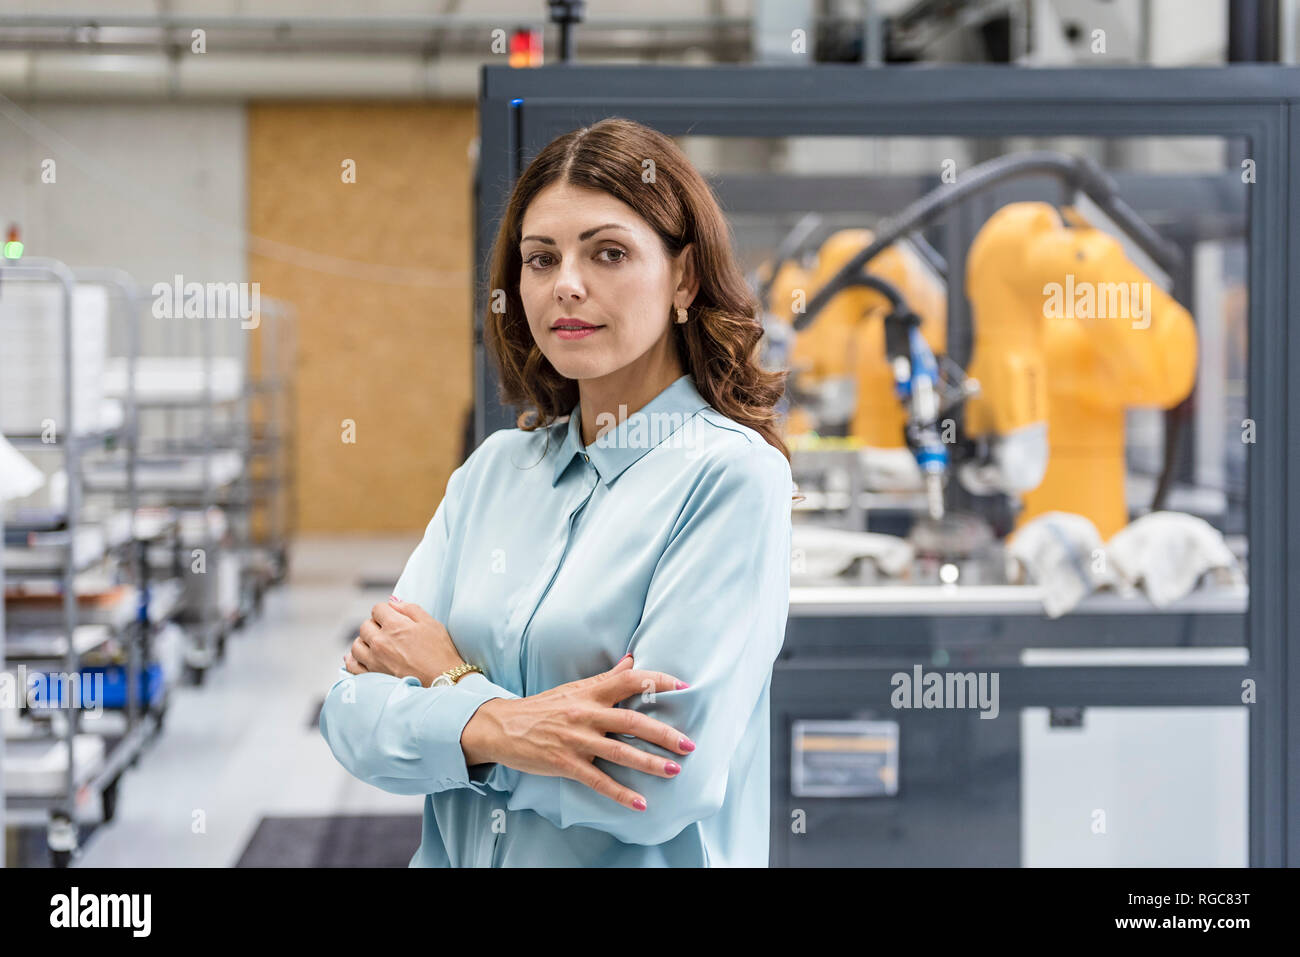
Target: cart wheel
(61, 837)
(108, 797)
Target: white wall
(153, 188)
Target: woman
(620, 577)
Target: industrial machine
(1069, 332)
(1120, 706)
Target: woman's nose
(568, 283)
(565, 289)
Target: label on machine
(844, 758)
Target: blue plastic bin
(113, 688)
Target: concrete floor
(240, 746)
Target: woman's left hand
(399, 639)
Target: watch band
(455, 674)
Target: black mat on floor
(347, 840)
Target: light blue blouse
(668, 537)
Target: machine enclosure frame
(522, 110)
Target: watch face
(442, 681)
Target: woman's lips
(576, 333)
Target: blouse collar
(619, 447)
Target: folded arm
(393, 732)
(404, 738)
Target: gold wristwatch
(449, 678)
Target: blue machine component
(917, 387)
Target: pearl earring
(681, 314)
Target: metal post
(1290, 17)
(137, 645)
(53, 269)
(873, 35)
(2, 664)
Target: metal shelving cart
(271, 444)
(47, 743)
(205, 479)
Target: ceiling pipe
(236, 76)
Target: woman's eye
(536, 256)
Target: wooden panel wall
(381, 273)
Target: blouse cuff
(471, 692)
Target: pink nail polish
(686, 744)
(638, 804)
(672, 767)
(681, 685)
(628, 655)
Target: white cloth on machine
(1062, 553)
(1167, 553)
(820, 552)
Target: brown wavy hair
(718, 346)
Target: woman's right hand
(559, 732)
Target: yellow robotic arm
(845, 348)
(1061, 314)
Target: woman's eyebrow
(582, 237)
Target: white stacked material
(174, 378)
(52, 642)
(228, 574)
(169, 650)
(198, 525)
(217, 578)
(116, 525)
(112, 414)
(18, 476)
(150, 522)
(184, 472)
(36, 768)
(31, 362)
(47, 550)
(164, 596)
(221, 573)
